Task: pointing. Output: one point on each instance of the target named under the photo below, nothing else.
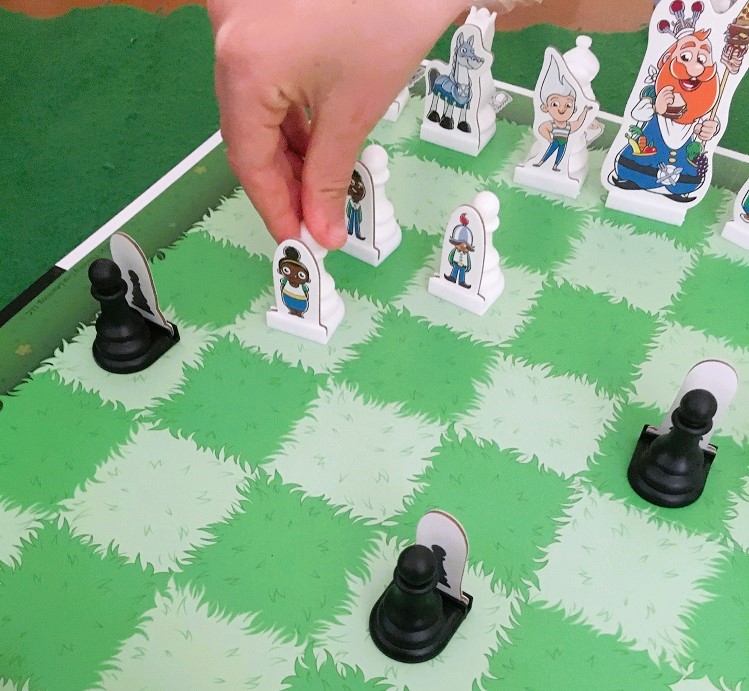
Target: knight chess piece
(671, 470)
(413, 621)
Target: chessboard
(228, 517)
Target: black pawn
(672, 470)
(413, 621)
(123, 338)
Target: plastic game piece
(469, 273)
(419, 613)
(307, 302)
(444, 535)
(125, 341)
(715, 376)
(459, 110)
(671, 469)
(373, 232)
(564, 123)
(737, 230)
(670, 483)
(135, 269)
(660, 164)
(397, 106)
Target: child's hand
(345, 60)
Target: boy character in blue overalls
(459, 257)
(354, 215)
(559, 100)
(294, 280)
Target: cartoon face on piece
(356, 189)
(688, 67)
(462, 237)
(560, 108)
(291, 268)
(466, 54)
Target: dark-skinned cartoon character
(460, 258)
(559, 101)
(356, 193)
(294, 280)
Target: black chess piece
(671, 469)
(413, 621)
(125, 342)
(139, 300)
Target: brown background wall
(587, 15)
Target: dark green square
(238, 401)
(706, 300)
(65, 610)
(581, 333)
(510, 510)
(209, 283)
(54, 437)
(386, 282)
(282, 556)
(429, 369)
(535, 232)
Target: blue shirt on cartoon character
(460, 258)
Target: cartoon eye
(302, 275)
(555, 104)
(702, 59)
(686, 56)
(286, 271)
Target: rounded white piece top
(375, 158)
(582, 61)
(487, 204)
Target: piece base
(297, 326)
(471, 144)
(451, 292)
(397, 106)
(161, 342)
(647, 205)
(547, 180)
(455, 612)
(656, 496)
(737, 233)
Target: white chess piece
(388, 235)
(469, 274)
(378, 234)
(459, 110)
(584, 66)
(316, 315)
(492, 280)
(397, 106)
(737, 230)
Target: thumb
(334, 146)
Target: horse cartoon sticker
(459, 108)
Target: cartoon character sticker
(459, 257)
(354, 214)
(744, 215)
(454, 90)
(678, 117)
(295, 279)
(559, 102)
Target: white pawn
(397, 106)
(585, 67)
(307, 303)
(387, 232)
(469, 275)
(332, 308)
(492, 280)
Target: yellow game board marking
(23, 349)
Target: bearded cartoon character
(675, 119)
